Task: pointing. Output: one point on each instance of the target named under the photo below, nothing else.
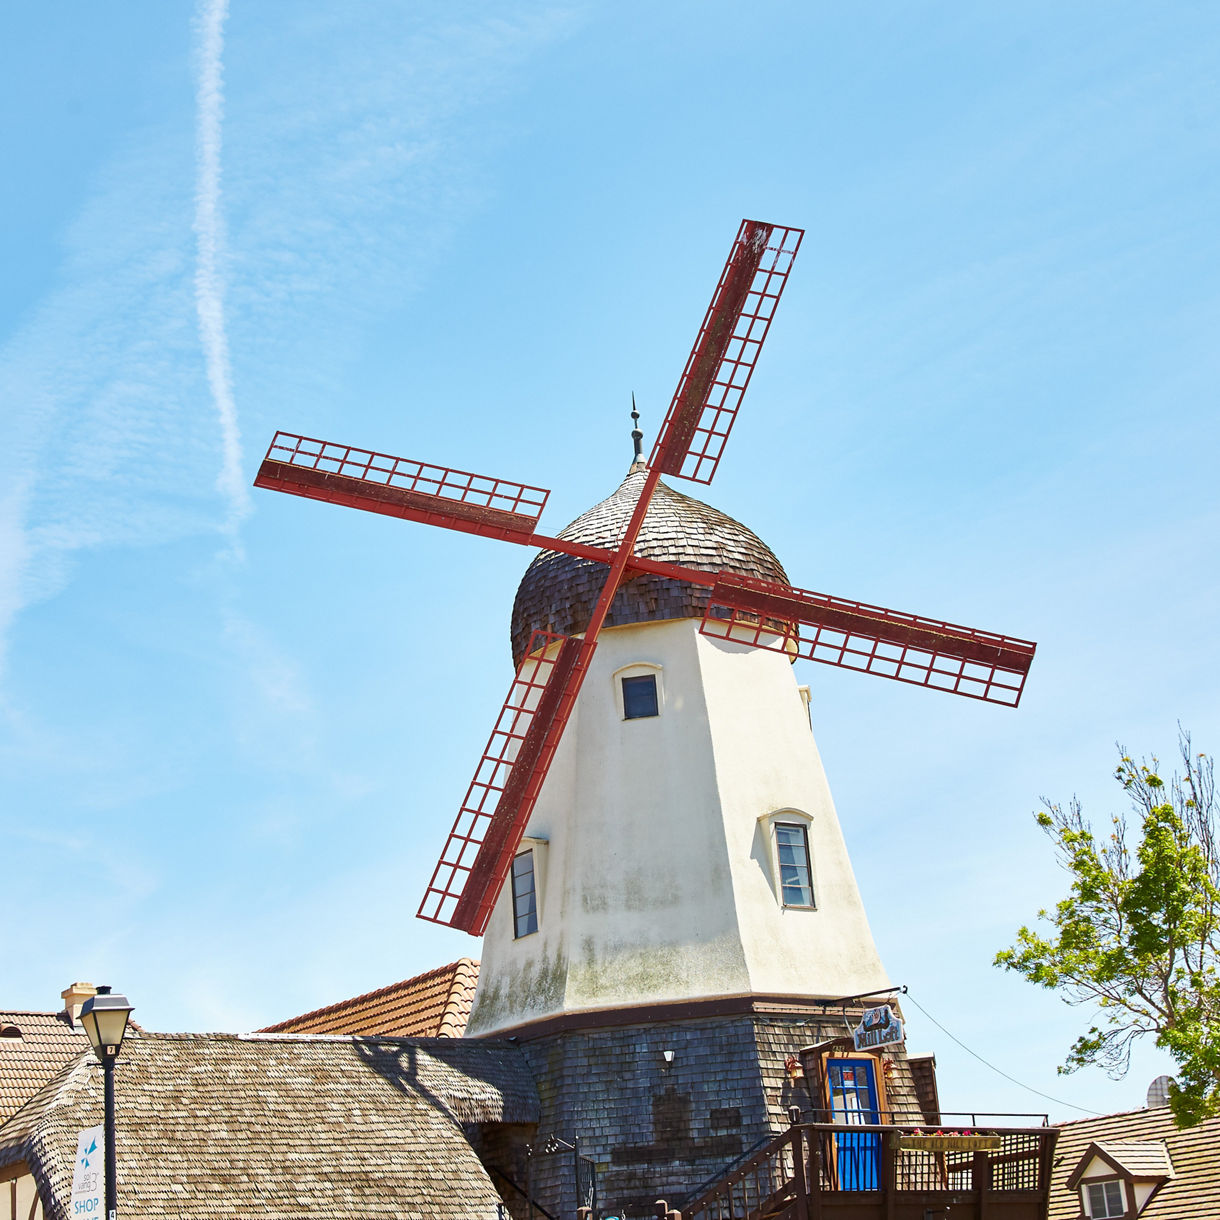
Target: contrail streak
(210, 238)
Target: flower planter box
(950, 1143)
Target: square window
(795, 875)
(525, 904)
(1106, 1201)
(640, 697)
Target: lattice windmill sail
(489, 827)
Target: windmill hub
(558, 591)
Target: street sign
(87, 1183)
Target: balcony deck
(884, 1171)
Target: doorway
(852, 1088)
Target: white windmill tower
(685, 848)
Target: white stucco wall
(659, 882)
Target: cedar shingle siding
(1192, 1194)
(282, 1125)
(558, 592)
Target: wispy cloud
(349, 162)
(210, 241)
(13, 558)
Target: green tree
(1138, 937)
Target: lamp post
(104, 1017)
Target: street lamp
(104, 1017)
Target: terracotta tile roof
(432, 1005)
(1194, 1190)
(47, 1041)
(558, 591)
(259, 1125)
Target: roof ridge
(456, 1010)
(1097, 1118)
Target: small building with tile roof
(431, 1005)
(35, 1045)
(279, 1125)
(1140, 1162)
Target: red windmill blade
(401, 487)
(491, 822)
(720, 365)
(479, 851)
(871, 639)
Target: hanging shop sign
(879, 1027)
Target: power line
(992, 1066)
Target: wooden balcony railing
(843, 1171)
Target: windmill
(489, 827)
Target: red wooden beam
(401, 487)
(871, 639)
(478, 854)
(726, 349)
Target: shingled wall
(661, 1131)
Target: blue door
(852, 1084)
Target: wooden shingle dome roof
(558, 592)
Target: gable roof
(276, 1125)
(432, 1005)
(1141, 1159)
(48, 1041)
(1147, 1144)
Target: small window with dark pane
(795, 875)
(525, 895)
(639, 697)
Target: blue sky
(234, 726)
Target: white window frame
(768, 823)
(518, 914)
(638, 669)
(1103, 1183)
(539, 846)
(807, 699)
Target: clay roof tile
(33, 1047)
(432, 1005)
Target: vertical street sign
(87, 1175)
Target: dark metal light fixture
(104, 1017)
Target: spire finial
(636, 435)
